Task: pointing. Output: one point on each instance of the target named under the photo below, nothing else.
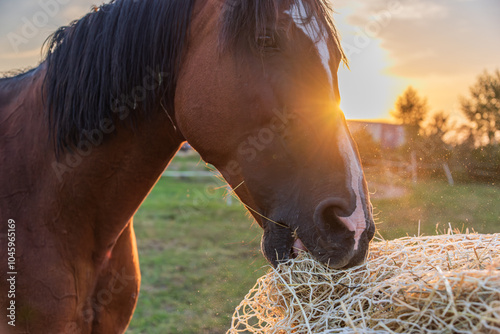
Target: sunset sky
(437, 46)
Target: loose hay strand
(426, 284)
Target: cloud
(437, 37)
(422, 10)
(27, 23)
(400, 10)
(466, 40)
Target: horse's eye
(268, 42)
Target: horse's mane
(252, 18)
(106, 57)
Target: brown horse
(250, 84)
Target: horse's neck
(117, 175)
(92, 192)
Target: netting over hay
(436, 284)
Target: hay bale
(435, 284)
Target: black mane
(105, 56)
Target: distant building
(387, 135)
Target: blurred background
(422, 96)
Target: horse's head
(257, 97)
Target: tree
(410, 111)
(432, 145)
(482, 108)
(438, 125)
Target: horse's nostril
(327, 213)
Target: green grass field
(199, 256)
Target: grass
(200, 256)
(437, 205)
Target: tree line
(470, 145)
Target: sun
(367, 90)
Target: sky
(437, 46)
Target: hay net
(434, 284)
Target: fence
(404, 170)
